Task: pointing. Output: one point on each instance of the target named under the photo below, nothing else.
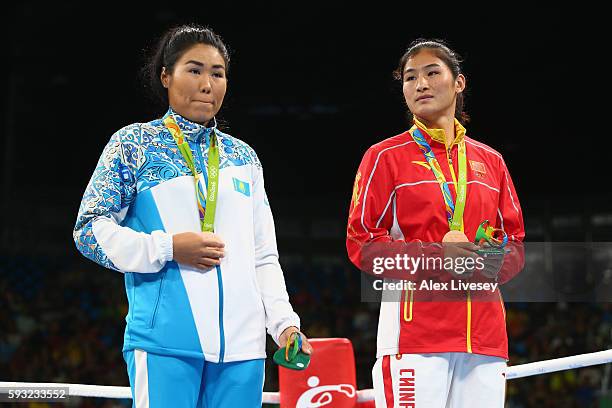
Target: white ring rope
(559, 364)
(519, 371)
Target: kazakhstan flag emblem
(242, 187)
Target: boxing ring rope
(519, 371)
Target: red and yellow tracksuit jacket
(396, 197)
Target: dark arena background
(310, 89)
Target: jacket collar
(193, 131)
(438, 134)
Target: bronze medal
(455, 236)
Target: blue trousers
(168, 381)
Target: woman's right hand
(201, 250)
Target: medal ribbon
(206, 205)
(454, 211)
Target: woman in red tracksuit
(437, 353)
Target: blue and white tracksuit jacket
(141, 193)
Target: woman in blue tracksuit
(180, 208)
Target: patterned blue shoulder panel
(154, 157)
(235, 152)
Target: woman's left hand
(284, 337)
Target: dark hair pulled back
(169, 49)
(448, 56)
